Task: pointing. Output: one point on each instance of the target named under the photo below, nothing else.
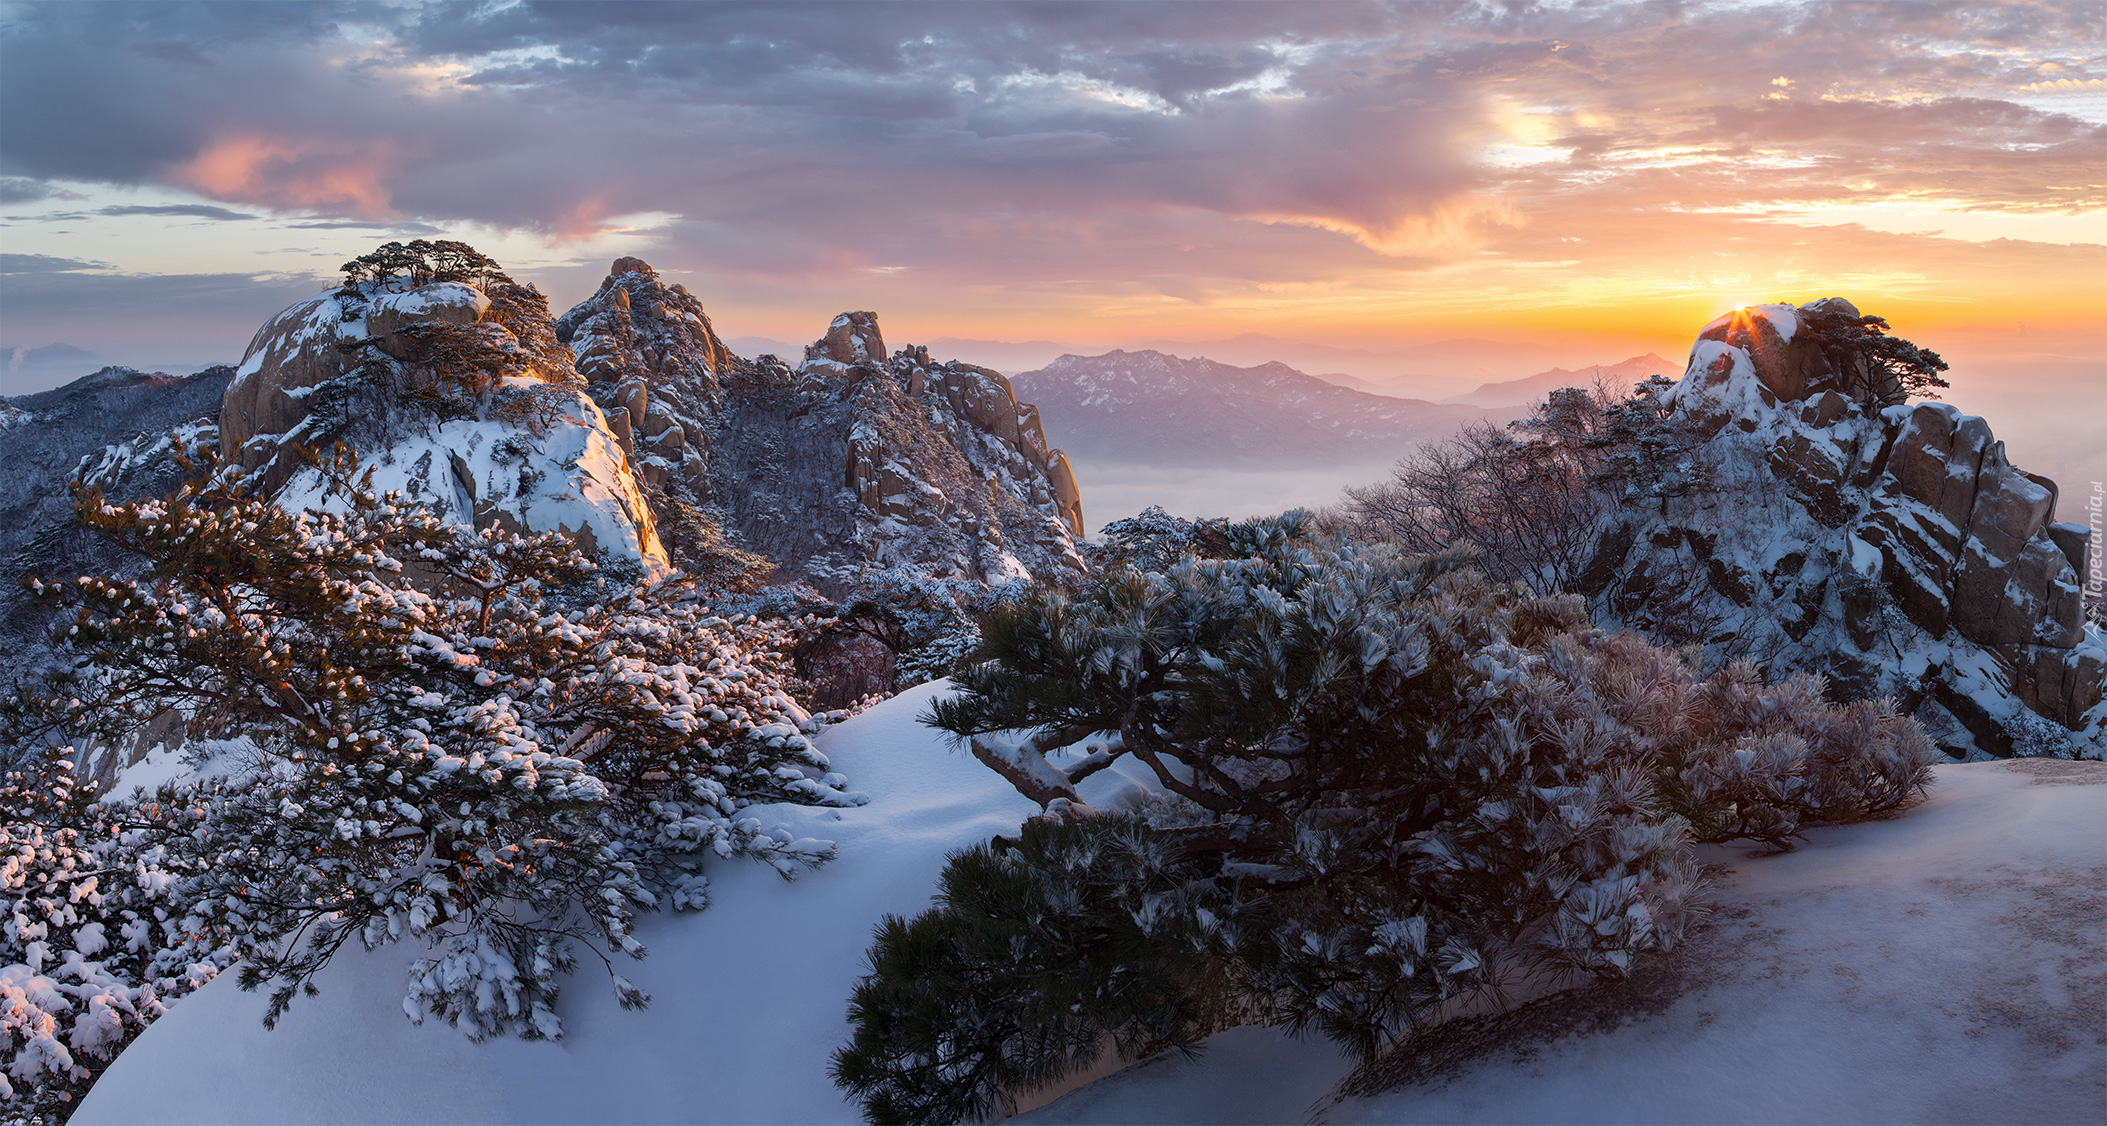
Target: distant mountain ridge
(1150, 407)
(1617, 377)
(87, 425)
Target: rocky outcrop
(629, 423)
(846, 465)
(852, 340)
(113, 430)
(519, 446)
(855, 459)
(1895, 548)
(653, 361)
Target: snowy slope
(749, 997)
(1946, 966)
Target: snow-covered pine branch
(1382, 781)
(467, 738)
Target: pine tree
(467, 738)
(1387, 782)
(1886, 369)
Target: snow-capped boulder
(293, 353)
(852, 340)
(505, 437)
(1895, 548)
(388, 314)
(1792, 365)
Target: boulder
(2075, 541)
(292, 352)
(388, 314)
(982, 395)
(563, 465)
(852, 340)
(1068, 498)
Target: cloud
(153, 319)
(397, 226)
(290, 173)
(17, 189)
(1120, 161)
(68, 292)
(195, 210)
(43, 264)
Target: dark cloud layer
(43, 264)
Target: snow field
(749, 998)
(1947, 965)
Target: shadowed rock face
(855, 459)
(1898, 550)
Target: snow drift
(749, 997)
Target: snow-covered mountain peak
(458, 396)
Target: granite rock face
(854, 460)
(629, 408)
(1896, 549)
(654, 363)
(521, 448)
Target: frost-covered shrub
(1386, 782)
(1154, 540)
(465, 738)
(894, 628)
(94, 943)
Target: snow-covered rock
(655, 364)
(526, 449)
(1946, 966)
(749, 997)
(1896, 549)
(906, 462)
(852, 339)
(112, 428)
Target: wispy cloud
(192, 210)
